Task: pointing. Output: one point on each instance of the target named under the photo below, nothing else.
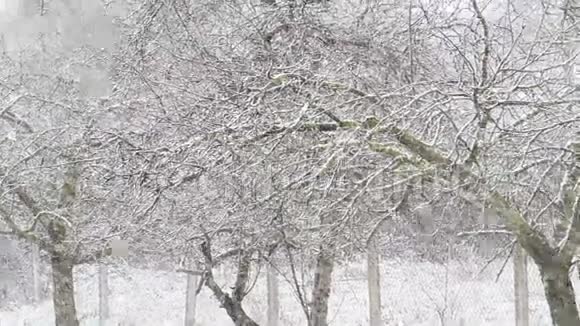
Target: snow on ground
(415, 294)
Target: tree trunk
(238, 315)
(63, 290)
(232, 304)
(560, 294)
(233, 308)
(321, 290)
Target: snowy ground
(415, 294)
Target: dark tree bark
(559, 294)
(321, 290)
(63, 290)
(231, 303)
(236, 312)
(62, 262)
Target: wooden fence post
(374, 284)
(191, 294)
(103, 294)
(521, 293)
(36, 284)
(273, 296)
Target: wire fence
(452, 293)
(415, 293)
